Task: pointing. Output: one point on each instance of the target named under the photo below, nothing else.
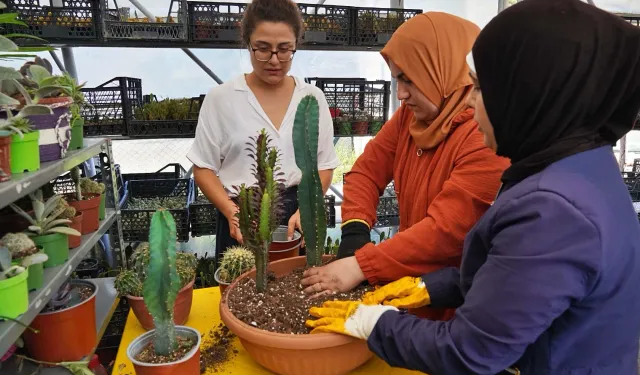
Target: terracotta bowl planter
(317, 354)
(64, 335)
(281, 247)
(189, 365)
(90, 208)
(76, 223)
(181, 309)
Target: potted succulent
(70, 213)
(271, 342)
(85, 202)
(361, 121)
(343, 124)
(46, 229)
(205, 272)
(14, 291)
(130, 284)
(87, 185)
(69, 318)
(167, 348)
(74, 90)
(235, 261)
(21, 246)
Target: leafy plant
(155, 203)
(45, 220)
(331, 248)
(310, 196)
(235, 261)
(261, 206)
(8, 270)
(19, 244)
(166, 109)
(206, 269)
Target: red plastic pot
(76, 223)
(90, 208)
(282, 247)
(188, 365)
(64, 335)
(5, 154)
(181, 309)
(361, 128)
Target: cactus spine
(235, 261)
(310, 197)
(260, 206)
(162, 283)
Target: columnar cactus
(261, 206)
(235, 261)
(75, 177)
(162, 283)
(310, 197)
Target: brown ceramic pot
(181, 309)
(318, 354)
(90, 207)
(283, 248)
(76, 223)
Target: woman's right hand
(234, 225)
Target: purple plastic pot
(55, 132)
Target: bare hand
(234, 224)
(336, 277)
(295, 223)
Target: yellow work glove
(350, 318)
(406, 293)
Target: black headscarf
(558, 77)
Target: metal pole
(144, 10)
(395, 103)
(623, 153)
(69, 62)
(202, 65)
(56, 59)
(502, 5)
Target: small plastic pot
(36, 274)
(181, 309)
(25, 152)
(102, 212)
(56, 246)
(76, 223)
(14, 295)
(88, 269)
(361, 128)
(222, 284)
(77, 135)
(281, 247)
(90, 208)
(189, 365)
(5, 157)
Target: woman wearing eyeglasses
(266, 98)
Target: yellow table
(205, 316)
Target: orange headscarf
(431, 50)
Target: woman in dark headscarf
(550, 274)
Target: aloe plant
(162, 283)
(45, 216)
(310, 196)
(8, 270)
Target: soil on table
(217, 350)
(82, 291)
(283, 307)
(148, 354)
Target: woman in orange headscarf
(445, 177)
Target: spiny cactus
(87, 185)
(127, 283)
(19, 244)
(161, 286)
(261, 205)
(310, 197)
(235, 261)
(68, 212)
(75, 176)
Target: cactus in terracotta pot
(235, 261)
(261, 206)
(68, 212)
(310, 196)
(89, 186)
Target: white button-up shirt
(231, 113)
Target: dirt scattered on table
(283, 307)
(217, 350)
(148, 354)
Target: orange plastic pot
(181, 309)
(64, 335)
(5, 155)
(90, 208)
(188, 365)
(76, 223)
(283, 248)
(317, 354)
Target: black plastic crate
(135, 223)
(185, 127)
(119, 26)
(330, 210)
(110, 106)
(203, 215)
(358, 107)
(172, 171)
(75, 20)
(326, 24)
(387, 212)
(64, 184)
(215, 22)
(374, 26)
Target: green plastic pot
(36, 274)
(14, 295)
(25, 152)
(77, 134)
(56, 246)
(101, 209)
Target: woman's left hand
(336, 277)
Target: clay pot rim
(187, 357)
(78, 216)
(92, 296)
(190, 285)
(278, 340)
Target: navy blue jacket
(549, 282)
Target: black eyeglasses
(265, 54)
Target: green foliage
(127, 283)
(68, 212)
(260, 206)
(8, 270)
(167, 109)
(75, 176)
(331, 248)
(310, 196)
(19, 244)
(155, 203)
(87, 185)
(45, 218)
(347, 156)
(235, 261)
(206, 270)
(161, 286)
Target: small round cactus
(19, 245)
(127, 283)
(235, 261)
(89, 186)
(69, 211)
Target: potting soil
(216, 350)
(283, 307)
(148, 354)
(80, 294)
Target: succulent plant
(155, 203)
(310, 196)
(87, 185)
(75, 177)
(361, 116)
(206, 269)
(261, 205)
(19, 244)
(69, 212)
(127, 283)
(8, 270)
(235, 261)
(331, 248)
(45, 220)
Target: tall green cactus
(310, 197)
(162, 283)
(261, 206)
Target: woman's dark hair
(257, 11)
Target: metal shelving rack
(106, 300)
